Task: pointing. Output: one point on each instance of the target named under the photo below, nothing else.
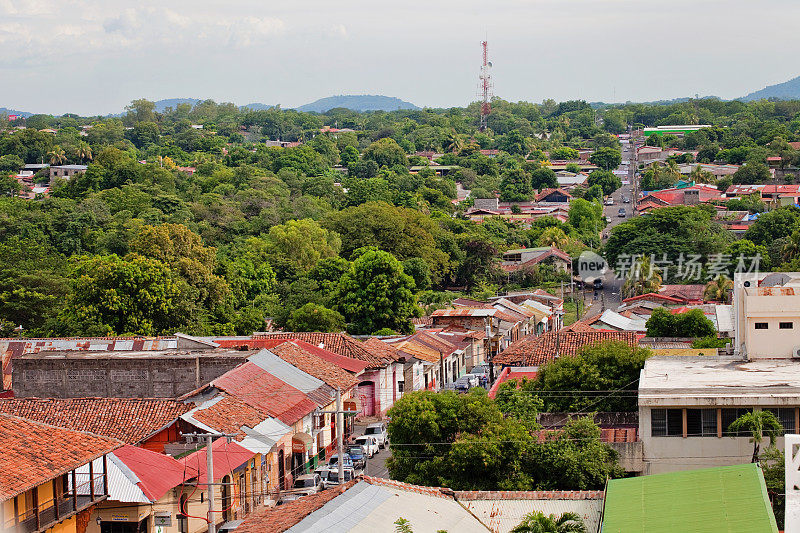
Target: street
(609, 297)
(376, 467)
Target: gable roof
(156, 473)
(34, 453)
(228, 456)
(536, 350)
(338, 343)
(266, 392)
(368, 504)
(654, 296)
(307, 359)
(131, 420)
(388, 351)
(547, 192)
(729, 498)
(686, 292)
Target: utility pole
(339, 435)
(209, 438)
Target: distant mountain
(161, 105)
(358, 102)
(788, 90)
(257, 107)
(6, 111)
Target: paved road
(609, 297)
(376, 466)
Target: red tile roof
(546, 192)
(388, 351)
(536, 350)
(308, 358)
(34, 453)
(338, 343)
(131, 420)
(468, 495)
(283, 517)
(228, 415)
(228, 456)
(654, 296)
(685, 292)
(265, 392)
(157, 473)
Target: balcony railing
(45, 514)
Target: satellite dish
(490, 63)
(775, 280)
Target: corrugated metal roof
(729, 498)
(369, 508)
(465, 312)
(123, 483)
(264, 435)
(284, 371)
(502, 515)
(616, 320)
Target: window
(786, 325)
(785, 416)
(762, 325)
(701, 422)
(666, 422)
(400, 386)
(728, 416)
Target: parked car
(346, 459)
(626, 200)
(322, 472)
(307, 484)
(466, 382)
(379, 432)
(332, 476)
(609, 201)
(621, 212)
(359, 455)
(369, 443)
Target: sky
(94, 57)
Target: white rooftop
(723, 380)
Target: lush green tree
(752, 173)
(376, 294)
(514, 143)
(563, 152)
(515, 186)
(773, 225)
(606, 158)
(668, 233)
(606, 179)
(386, 153)
(33, 283)
(642, 280)
(602, 367)
(542, 178)
(11, 163)
(693, 323)
(757, 424)
(298, 245)
(110, 295)
(586, 215)
(141, 110)
(419, 271)
(314, 317)
(349, 156)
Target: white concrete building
(687, 403)
(766, 309)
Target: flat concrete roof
(719, 381)
(142, 354)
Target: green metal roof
(732, 499)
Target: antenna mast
(485, 87)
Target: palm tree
(538, 522)
(453, 142)
(56, 155)
(642, 280)
(84, 151)
(553, 237)
(758, 423)
(792, 247)
(719, 290)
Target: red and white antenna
(485, 86)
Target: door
(227, 499)
(366, 393)
(281, 470)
